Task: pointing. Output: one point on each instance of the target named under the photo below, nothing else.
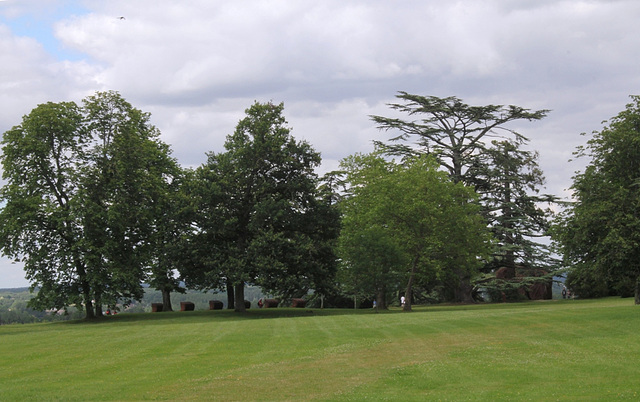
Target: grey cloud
(197, 65)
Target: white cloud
(197, 65)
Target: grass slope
(561, 350)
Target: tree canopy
(80, 200)
(410, 220)
(95, 206)
(475, 145)
(453, 131)
(264, 216)
(508, 180)
(600, 231)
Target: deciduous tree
(600, 231)
(372, 260)
(172, 236)
(266, 220)
(417, 213)
(40, 223)
(82, 183)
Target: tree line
(95, 206)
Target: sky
(197, 65)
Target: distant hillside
(200, 299)
(14, 310)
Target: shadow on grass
(225, 315)
(280, 312)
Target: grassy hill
(554, 350)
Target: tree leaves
(82, 183)
(264, 216)
(600, 232)
(407, 220)
(449, 129)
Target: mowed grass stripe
(562, 350)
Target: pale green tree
(416, 212)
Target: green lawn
(557, 350)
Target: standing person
(402, 301)
(375, 305)
(564, 292)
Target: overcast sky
(197, 65)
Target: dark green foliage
(588, 282)
(508, 180)
(171, 239)
(600, 232)
(449, 129)
(40, 162)
(123, 181)
(262, 219)
(81, 200)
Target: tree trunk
(166, 300)
(507, 219)
(231, 302)
(88, 307)
(381, 301)
(239, 298)
(86, 294)
(464, 291)
(98, 306)
(408, 294)
(457, 161)
(637, 292)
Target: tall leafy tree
(41, 158)
(173, 235)
(417, 213)
(86, 202)
(266, 221)
(600, 231)
(372, 260)
(124, 181)
(207, 242)
(458, 135)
